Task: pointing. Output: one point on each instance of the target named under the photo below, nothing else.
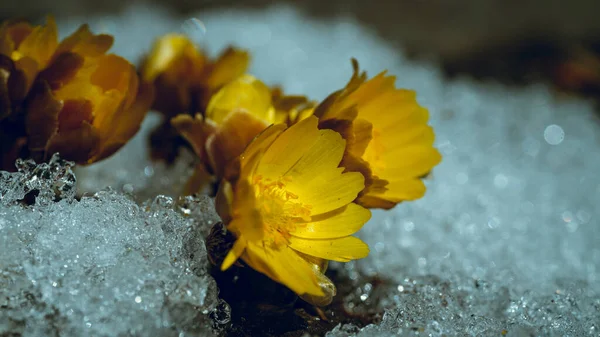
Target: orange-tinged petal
(195, 130)
(12, 33)
(284, 266)
(126, 123)
(83, 42)
(342, 249)
(40, 44)
(63, 69)
(339, 223)
(231, 64)
(173, 55)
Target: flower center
(280, 210)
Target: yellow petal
(284, 266)
(342, 249)
(172, 54)
(236, 251)
(414, 161)
(259, 145)
(246, 94)
(320, 161)
(247, 220)
(289, 147)
(337, 224)
(231, 64)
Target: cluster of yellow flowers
(296, 178)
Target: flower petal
(342, 250)
(284, 266)
(245, 94)
(287, 150)
(230, 64)
(230, 140)
(42, 117)
(40, 44)
(337, 224)
(236, 251)
(195, 131)
(413, 161)
(83, 42)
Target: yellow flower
(289, 204)
(389, 140)
(68, 97)
(235, 115)
(184, 77)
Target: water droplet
(554, 134)
(149, 171)
(128, 188)
(194, 28)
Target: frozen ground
(506, 242)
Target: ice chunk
(101, 266)
(49, 181)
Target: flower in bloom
(68, 97)
(185, 79)
(389, 140)
(235, 115)
(184, 76)
(289, 204)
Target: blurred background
(510, 41)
